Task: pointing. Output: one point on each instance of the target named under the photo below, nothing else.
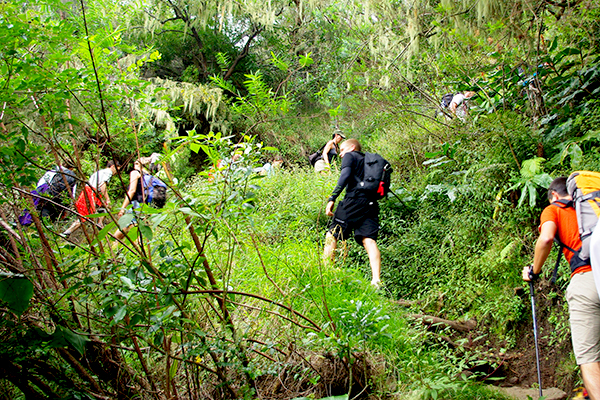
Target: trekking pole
(535, 336)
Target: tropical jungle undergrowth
(222, 293)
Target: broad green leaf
(133, 233)
(532, 167)
(188, 211)
(195, 147)
(98, 215)
(126, 220)
(16, 291)
(532, 195)
(305, 61)
(553, 45)
(576, 154)
(157, 219)
(148, 209)
(127, 282)
(173, 368)
(542, 180)
(119, 315)
(74, 339)
(524, 191)
(103, 232)
(145, 230)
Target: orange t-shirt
(568, 231)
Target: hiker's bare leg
(591, 379)
(374, 259)
(119, 236)
(595, 255)
(74, 226)
(330, 245)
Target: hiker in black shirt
(356, 212)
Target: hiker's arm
(543, 246)
(342, 182)
(133, 179)
(104, 193)
(329, 209)
(452, 107)
(454, 103)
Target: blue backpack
(155, 191)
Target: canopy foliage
(222, 293)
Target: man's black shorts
(357, 214)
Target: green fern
(223, 60)
(532, 177)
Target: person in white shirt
(458, 105)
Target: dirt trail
(524, 394)
(555, 357)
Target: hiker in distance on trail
(366, 180)
(322, 159)
(559, 220)
(456, 104)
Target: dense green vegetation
(222, 293)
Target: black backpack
(316, 156)
(58, 186)
(377, 176)
(446, 100)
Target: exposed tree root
(434, 322)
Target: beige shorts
(321, 166)
(584, 316)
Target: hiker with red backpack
(560, 220)
(93, 197)
(366, 179)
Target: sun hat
(338, 132)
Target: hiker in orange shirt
(559, 219)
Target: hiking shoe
(580, 393)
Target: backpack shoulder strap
(557, 263)
(146, 180)
(590, 195)
(561, 203)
